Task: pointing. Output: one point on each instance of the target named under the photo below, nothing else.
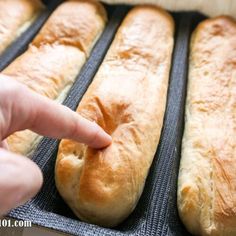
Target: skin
(20, 178)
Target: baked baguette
(209, 7)
(207, 175)
(15, 17)
(127, 99)
(55, 57)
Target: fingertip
(101, 139)
(107, 139)
(33, 180)
(37, 179)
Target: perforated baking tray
(156, 212)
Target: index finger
(24, 109)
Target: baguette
(127, 99)
(209, 7)
(207, 175)
(15, 17)
(55, 57)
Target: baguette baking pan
(156, 213)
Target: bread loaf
(55, 57)
(127, 99)
(15, 17)
(207, 175)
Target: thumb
(20, 180)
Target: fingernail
(102, 139)
(107, 138)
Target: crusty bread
(207, 175)
(15, 17)
(127, 99)
(54, 59)
(208, 7)
(76, 23)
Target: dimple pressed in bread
(15, 17)
(127, 98)
(208, 7)
(55, 57)
(207, 175)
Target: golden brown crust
(15, 17)
(207, 177)
(89, 20)
(127, 98)
(49, 67)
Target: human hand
(20, 108)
